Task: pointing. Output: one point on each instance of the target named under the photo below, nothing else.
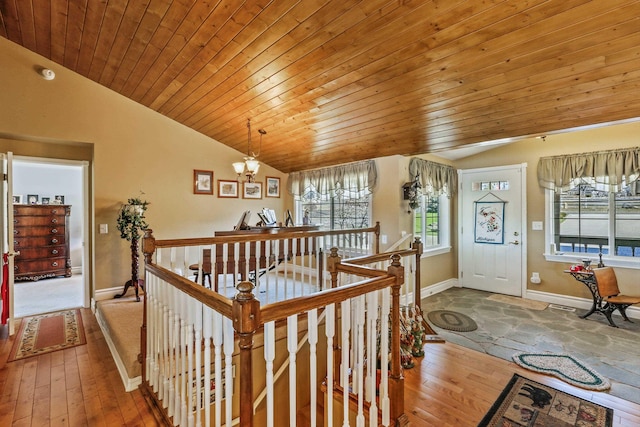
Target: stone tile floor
(505, 329)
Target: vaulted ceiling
(338, 81)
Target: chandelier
(251, 162)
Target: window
(431, 223)
(337, 210)
(587, 218)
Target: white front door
(492, 231)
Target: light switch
(104, 228)
(536, 225)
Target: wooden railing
(193, 336)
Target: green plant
(131, 218)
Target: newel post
(148, 248)
(396, 380)
(417, 246)
(333, 260)
(246, 320)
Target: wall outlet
(383, 239)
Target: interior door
(492, 233)
(6, 233)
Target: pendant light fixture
(251, 163)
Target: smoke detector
(47, 74)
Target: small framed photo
(32, 199)
(227, 188)
(58, 200)
(252, 190)
(273, 186)
(17, 199)
(46, 200)
(202, 182)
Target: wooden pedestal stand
(135, 282)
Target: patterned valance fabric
(435, 178)
(353, 176)
(607, 167)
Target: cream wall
(134, 150)
(529, 151)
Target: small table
(587, 278)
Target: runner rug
(46, 333)
(528, 403)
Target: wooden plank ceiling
(344, 80)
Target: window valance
(610, 167)
(435, 178)
(353, 176)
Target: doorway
(46, 181)
(492, 231)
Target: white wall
(49, 180)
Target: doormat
(46, 333)
(564, 367)
(452, 320)
(520, 302)
(528, 403)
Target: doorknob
(514, 243)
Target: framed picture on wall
(227, 188)
(273, 186)
(252, 190)
(202, 182)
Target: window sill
(435, 251)
(576, 258)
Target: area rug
(528, 403)
(520, 302)
(452, 320)
(46, 333)
(564, 367)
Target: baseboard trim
(130, 384)
(436, 288)
(575, 302)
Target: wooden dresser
(41, 235)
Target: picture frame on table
(202, 182)
(58, 199)
(46, 200)
(227, 189)
(252, 190)
(17, 199)
(32, 199)
(273, 186)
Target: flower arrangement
(131, 218)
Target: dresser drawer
(52, 230)
(42, 252)
(40, 210)
(28, 242)
(27, 221)
(40, 265)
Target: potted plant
(131, 222)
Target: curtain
(610, 167)
(435, 178)
(353, 176)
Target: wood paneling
(344, 80)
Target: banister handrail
(281, 235)
(283, 309)
(385, 256)
(208, 297)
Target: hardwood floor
(456, 386)
(80, 386)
